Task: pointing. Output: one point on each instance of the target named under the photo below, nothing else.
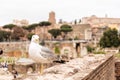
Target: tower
(52, 18)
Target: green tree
(4, 35)
(90, 49)
(29, 36)
(55, 32)
(44, 23)
(9, 26)
(110, 39)
(66, 28)
(30, 27)
(7, 35)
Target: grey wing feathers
(47, 53)
(46, 50)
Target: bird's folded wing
(47, 53)
(46, 50)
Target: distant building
(52, 18)
(22, 22)
(100, 24)
(95, 21)
(81, 31)
(97, 33)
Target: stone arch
(66, 52)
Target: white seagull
(40, 54)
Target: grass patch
(117, 55)
(99, 52)
(8, 60)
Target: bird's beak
(37, 40)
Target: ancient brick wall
(117, 69)
(106, 71)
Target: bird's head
(35, 38)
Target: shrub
(99, 52)
(90, 49)
(57, 50)
(76, 38)
(117, 55)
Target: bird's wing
(47, 53)
(46, 50)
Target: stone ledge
(95, 67)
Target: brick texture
(106, 71)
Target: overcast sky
(67, 10)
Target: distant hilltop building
(22, 22)
(52, 18)
(95, 21)
(99, 25)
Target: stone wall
(10, 46)
(18, 49)
(105, 71)
(117, 69)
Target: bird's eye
(33, 37)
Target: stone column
(74, 50)
(83, 50)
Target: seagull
(40, 54)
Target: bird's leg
(36, 66)
(41, 68)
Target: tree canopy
(66, 28)
(55, 32)
(4, 35)
(44, 23)
(31, 26)
(110, 38)
(29, 36)
(9, 26)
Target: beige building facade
(81, 31)
(20, 23)
(95, 21)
